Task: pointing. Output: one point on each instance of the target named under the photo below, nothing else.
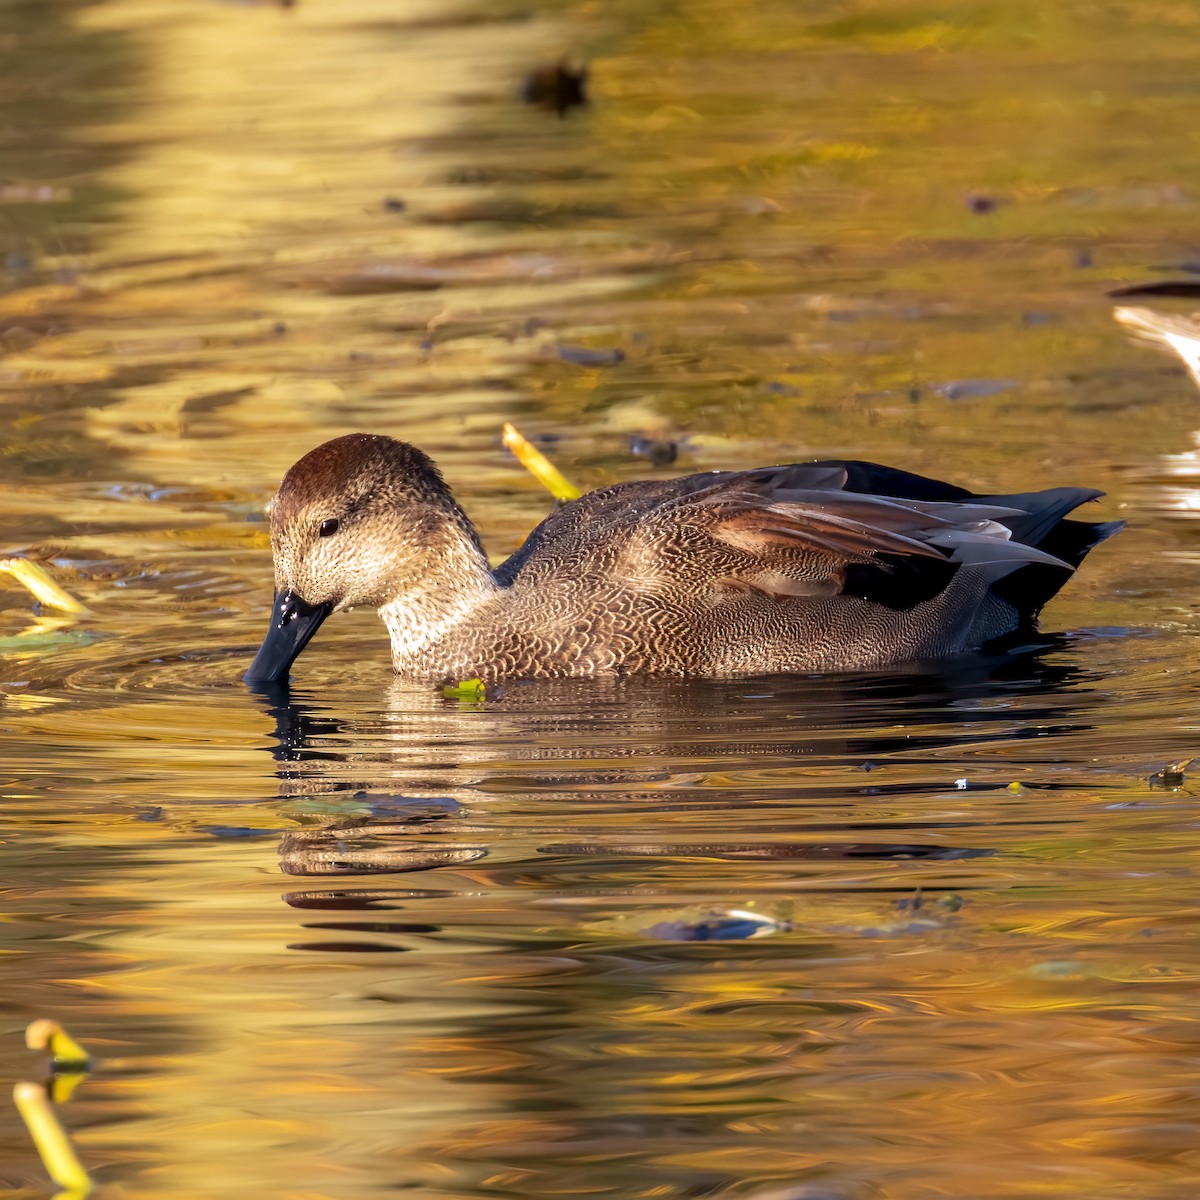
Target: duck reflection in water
(414, 785)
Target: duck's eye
(329, 527)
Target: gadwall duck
(820, 566)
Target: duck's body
(824, 566)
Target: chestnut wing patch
(801, 542)
(799, 527)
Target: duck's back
(811, 567)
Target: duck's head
(357, 521)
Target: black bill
(293, 622)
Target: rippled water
(362, 939)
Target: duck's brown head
(357, 521)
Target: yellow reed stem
(67, 1053)
(538, 465)
(50, 1138)
(60, 1087)
(37, 580)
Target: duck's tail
(1022, 587)
(1044, 525)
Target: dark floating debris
(950, 902)
(585, 356)
(659, 451)
(982, 204)
(916, 916)
(974, 389)
(393, 204)
(235, 832)
(731, 925)
(1172, 775)
(557, 88)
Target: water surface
(879, 231)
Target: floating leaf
(45, 641)
(471, 690)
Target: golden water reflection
(873, 230)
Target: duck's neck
(456, 582)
